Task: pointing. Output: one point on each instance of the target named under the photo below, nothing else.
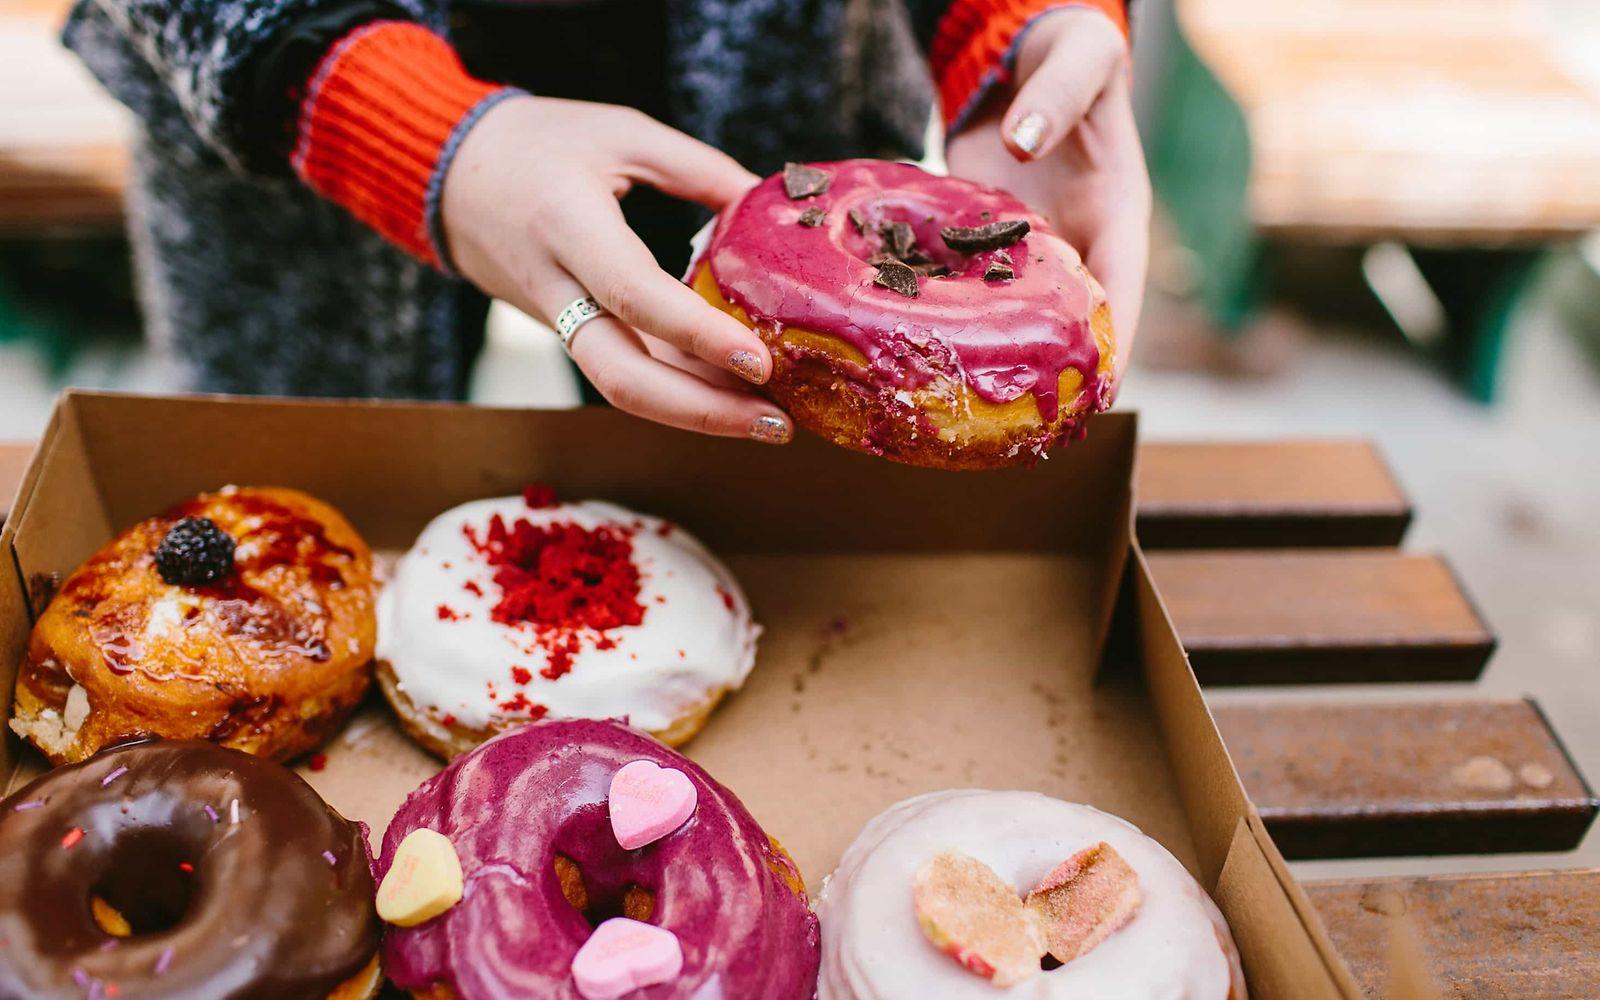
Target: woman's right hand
(530, 214)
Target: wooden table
(1337, 779)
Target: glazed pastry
(243, 616)
(982, 894)
(926, 319)
(182, 871)
(510, 609)
(536, 818)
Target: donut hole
(634, 901)
(881, 216)
(145, 889)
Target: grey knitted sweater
(256, 285)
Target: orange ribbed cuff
(382, 115)
(972, 47)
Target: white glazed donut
(456, 675)
(1176, 946)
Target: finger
(614, 358)
(1119, 254)
(667, 354)
(609, 260)
(1087, 51)
(684, 167)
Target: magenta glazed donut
(529, 817)
(926, 319)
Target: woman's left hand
(1063, 140)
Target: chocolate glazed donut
(182, 870)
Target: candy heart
(648, 802)
(423, 881)
(623, 955)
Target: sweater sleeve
(202, 52)
(383, 114)
(972, 44)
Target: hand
(1064, 141)
(530, 215)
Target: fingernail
(1028, 132)
(746, 365)
(770, 430)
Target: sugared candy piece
(623, 955)
(423, 882)
(648, 801)
(972, 915)
(1085, 900)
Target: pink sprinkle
(23, 807)
(109, 944)
(233, 812)
(211, 813)
(164, 962)
(329, 858)
(80, 977)
(113, 776)
(94, 990)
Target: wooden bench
(1351, 779)
(1448, 131)
(63, 139)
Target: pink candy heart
(648, 802)
(623, 955)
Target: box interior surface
(923, 630)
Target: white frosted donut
(1176, 947)
(460, 669)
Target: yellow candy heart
(423, 882)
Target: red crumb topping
(185, 867)
(471, 587)
(727, 598)
(665, 528)
(318, 761)
(521, 675)
(539, 496)
(447, 614)
(448, 720)
(564, 582)
(519, 703)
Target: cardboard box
(925, 630)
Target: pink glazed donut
(527, 813)
(926, 319)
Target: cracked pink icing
(1004, 339)
(514, 803)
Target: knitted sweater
(259, 284)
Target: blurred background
(1375, 218)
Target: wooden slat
(1531, 934)
(1304, 617)
(1427, 777)
(1257, 494)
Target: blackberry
(194, 552)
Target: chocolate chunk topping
(897, 277)
(812, 216)
(801, 181)
(898, 238)
(999, 270)
(858, 220)
(976, 239)
(986, 215)
(930, 269)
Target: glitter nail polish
(745, 365)
(1028, 133)
(770, 430)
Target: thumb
(1083, 51)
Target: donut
(925, 319)
(509, 609)
(243, 616)
(533, 817)
(929, 902)
(182, 869)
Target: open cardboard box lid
(924, 630)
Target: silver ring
(577, 313)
